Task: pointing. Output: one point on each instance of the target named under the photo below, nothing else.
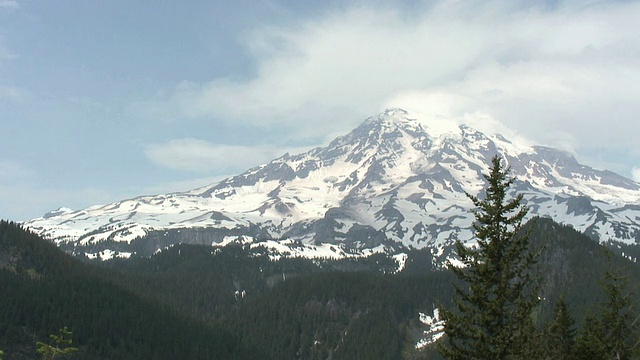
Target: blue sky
(106, 100)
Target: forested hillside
(198, 302)
(44, 290)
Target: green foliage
(338, 315)
(200, 281)
(560, 334)
(307, 306)
(494, 314)
(180, 303)
(618, 318)
(60, 346)
(111, 322)
(155, 307)
(610, 335)
(590, 341)
(375, 335)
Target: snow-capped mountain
(392, 182)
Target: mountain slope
(44, 290)
(392, 182)
(308, 306)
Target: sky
(102, 101)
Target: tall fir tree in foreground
(493, 315)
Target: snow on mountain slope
(391, 181)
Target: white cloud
(12, 93)
(202, 156)
(344, 63)
(635, 174)
(9, 4)
(563, 76)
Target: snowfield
(392, 183)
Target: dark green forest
(44, 290)
(199, 302)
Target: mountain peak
(386, 122)
(393, 116)
(395, 180)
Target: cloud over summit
(572, 67)
(116, 96)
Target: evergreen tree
(613, 335)
(60, 346)
(494, 314)
(618, 320)
(560, 334)
(589, 343)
